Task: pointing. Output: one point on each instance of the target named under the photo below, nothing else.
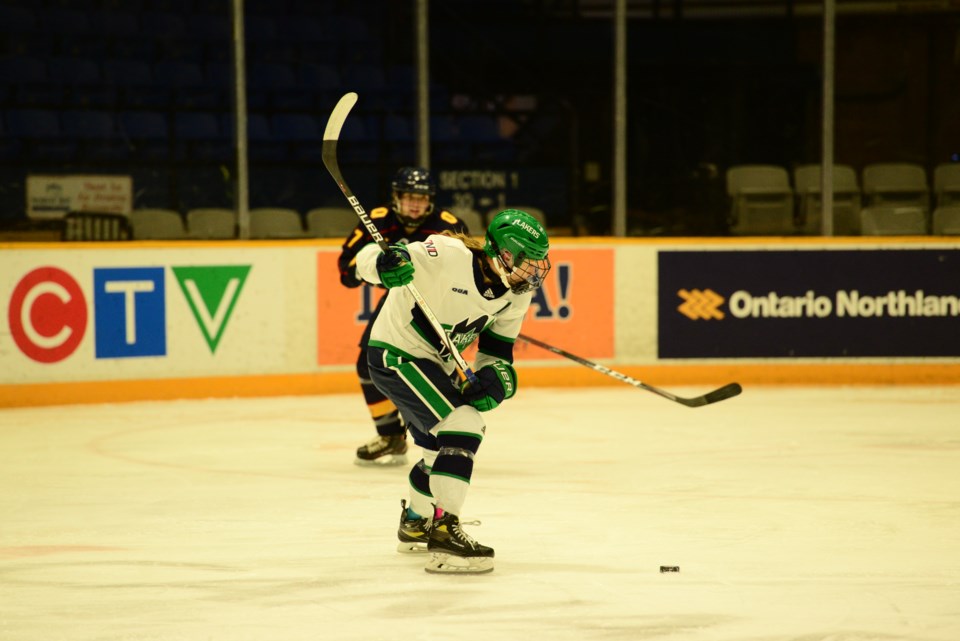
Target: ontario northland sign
(844, 303)
(743, 304)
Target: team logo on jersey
(464, 340)
(431, 248)
(459, 290)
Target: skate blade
(390, 460)
(409, 547)
(440, 563)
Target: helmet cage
(412, 180)
(522, 274)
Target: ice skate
(387, 450)
(413, 532)
(453, 551)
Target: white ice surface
(802, 514)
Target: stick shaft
(727, 391)
(331, 136)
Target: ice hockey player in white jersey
(478, 291)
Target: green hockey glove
(394, 267)
(495, 383)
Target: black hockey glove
(394, 267)
(495, 383)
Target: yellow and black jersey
(393, 231)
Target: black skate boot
(413, 532)
(383, 450)
(453, 551)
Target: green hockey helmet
(519, 245)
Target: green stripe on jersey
(417, 381)
(390, 352)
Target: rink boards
(89, 322)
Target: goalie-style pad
(442, 563)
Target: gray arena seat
(761, 200)
(846, 199)
(888, 220)
(211, 223)
(331, 222)
(275, 222)
(157, 224)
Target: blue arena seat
(28, 82)
(39, 134)
(303, 132)
(163, 24)
(81, 79)
(23, 70)
(134, 79)
(278, 86)
(35, 124)
(178, 73)
(296, 128)
(65, 21)
(147, 134)
(204, 26)
(188, 87)
(16, 20)
(397, 128)
(96, 132)
(116, 24)
(321, 81)
(200, 137)
(73, 70)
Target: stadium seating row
(221, 224)
(208, 223)
(177, 24)
(63, 81)
(192, 31)
(48, 134)
(886, 199)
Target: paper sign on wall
(51, 197)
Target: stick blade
(339, 116)
(721, 394)
(727, 391)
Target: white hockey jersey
(445, 276)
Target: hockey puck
(669, 568)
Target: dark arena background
(520, 108)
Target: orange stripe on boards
(530, 376)
(176, 388)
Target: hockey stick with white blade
(331, 136)
(720, 394)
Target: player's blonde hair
(472, 243)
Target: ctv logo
(701, 304)
(48, 312)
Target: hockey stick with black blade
(331, 136)
(720, 394)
